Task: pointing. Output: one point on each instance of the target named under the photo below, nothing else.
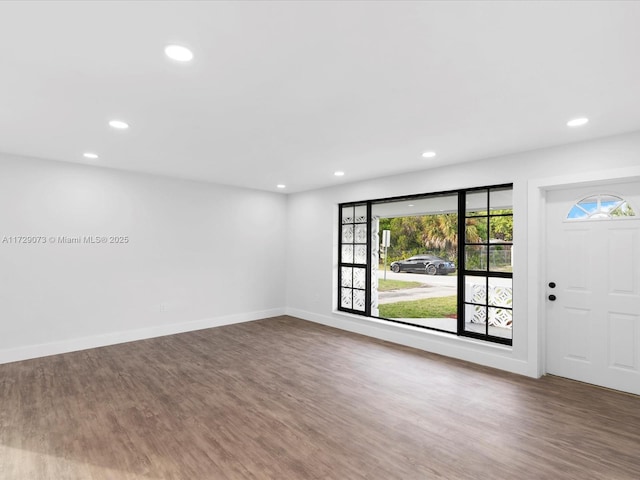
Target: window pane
(501, 229)
(358, 300)
(476, 203)
(418, 227)
(589, 204)
(360, 214)
(347, 215)
(476, 230)
(347, 253)
(500, 292)
(359, 278)
(500, 322)
(577, 212)
(475, 289)
(500, 258)
(347, 233)
(475, 318)
(360, 233)
(346, 297)
(475, 310)
(475, 257)
(360, 255)
(501, 199)
(346, 276)
(624, 210)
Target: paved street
(432, 286)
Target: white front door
(593, 324)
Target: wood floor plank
(287, 399)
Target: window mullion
(462, 233)
(367, 293)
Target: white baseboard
(482, 353)
(84, 343)
(490, 355)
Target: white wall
(312, 257)
(198, 255)
(202, 255)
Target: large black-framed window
(483, 256)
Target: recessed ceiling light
(429, 154)
(118, 124)
(281, 185)
(178, 53)
(90, 155)
(577, 122)
(338, 174)
(411, 205)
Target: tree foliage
(438, 234)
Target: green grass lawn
(438, 307)
(386, 285)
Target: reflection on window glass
(500, 199)
(347, 215)
(476, 203)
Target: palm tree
(440, 232)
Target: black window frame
(462, 270)
(353, 264)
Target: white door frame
(537, 254)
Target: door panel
(578, 260)
(623, 350)
(593, 326)
(623, 278)
(578, 330)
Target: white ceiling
(288, 92)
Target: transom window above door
(600, 206)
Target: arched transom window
(600, 206)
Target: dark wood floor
(287, 399)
